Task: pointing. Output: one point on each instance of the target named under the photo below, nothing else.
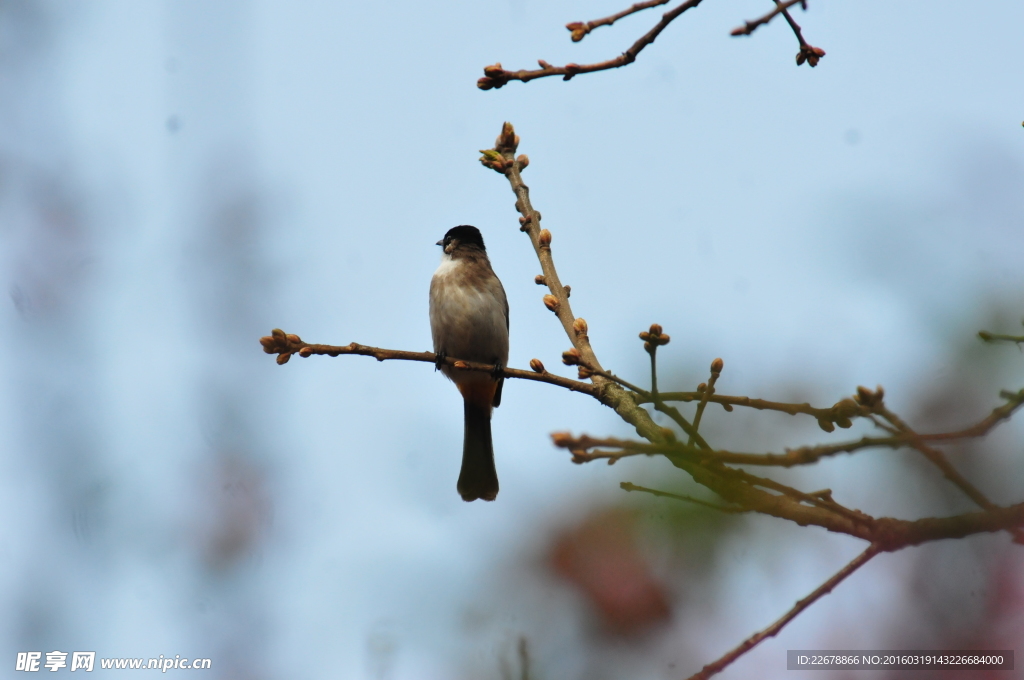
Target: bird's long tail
(478, 478)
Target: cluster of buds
(282, 344)
(494, 77)
(867, 398)
(551, 302)
(495, 161)
(580, 327)
(812, 55)
(653, 338)
(840, 415)
(578, 30)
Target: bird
(469, 321)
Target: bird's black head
(463, 235)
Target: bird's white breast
(447, 266)
(467, 321)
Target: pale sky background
(179, 177)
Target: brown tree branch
(773, 630)
(996, 337)
(495, 76)
(286, 344)
(939, 460)
(749, 27)
(800, 456)
(1014, 400)
(627, 486)
(502, 158)
(892, 534)
(706, 390)
(809, 53)
(580, 29)
(841, 413)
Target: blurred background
(179, 177)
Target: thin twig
(706, 392)
(644, 394)
(285, 345)
(495, 76)
(580, 29)
(817, 499)
(773, 630)
(749, 27)
(994, 337)
(502, 158)
(684, 424)
(939, 460)
(1014, 400)
(792, 457)
(809, 53)
(627, 486)
(846, 408)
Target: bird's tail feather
(478, 478)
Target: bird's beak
(440, 243)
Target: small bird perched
(469, 320)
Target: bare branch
(812, 55)
(627, 486)
(840, 413)
(495, 76)
(286, 344)
(502, 159)
(706, 390)
(684, 424)
(749, 27)
(798, 456)
(996, 337)
(739, 487)
(773, 630)
(1014, 400)
(580, 29)
(939, 460)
